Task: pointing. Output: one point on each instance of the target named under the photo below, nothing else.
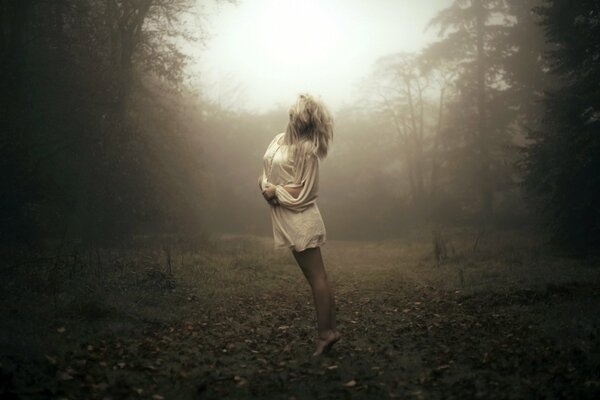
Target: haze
(262, 53)
(460, 200)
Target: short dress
(297, 222)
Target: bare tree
(398, 88)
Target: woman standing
(290, 183)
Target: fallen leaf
(351, 383)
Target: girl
(290, 183)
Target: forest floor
(235, 320)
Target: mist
(460, 197)
(261, 54)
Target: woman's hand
(269, 192)
(269, 195)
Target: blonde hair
(310, 127)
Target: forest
(461, 197)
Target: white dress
(297, 222)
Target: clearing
(235, 319)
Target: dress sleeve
(262, 179)
(306, 176)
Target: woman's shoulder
(276, 138)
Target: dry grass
(234, 317)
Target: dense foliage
(103, 139)
(92, 140)
(564, 160)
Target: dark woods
(471, 130)
(564, 159)
(93, 138)
(494, 125)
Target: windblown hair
(310, 128)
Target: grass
(233, 318)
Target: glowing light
(264, 52)
(296, 34)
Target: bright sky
(264, 52)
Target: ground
(231, 318)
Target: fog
(437, 108)
(262, 53)
(460, 197)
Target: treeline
(522, 110)
(453, 121)
(95, 145)
(493, 125)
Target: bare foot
(326, 342)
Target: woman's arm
(292, 190)
(302, 192)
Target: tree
(524, 64)
(398, 88)
(15, 20)
(564, 160)
(80, 83)
(471, 31)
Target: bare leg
(311, 263)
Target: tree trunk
(433, 189)
(439, 242)
(485, 185)
(16, 183)
(415, 146)
(130, 30)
